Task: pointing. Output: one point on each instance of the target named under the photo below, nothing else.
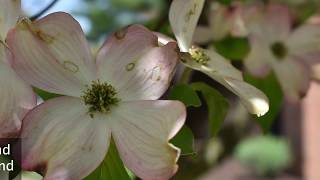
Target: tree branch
(39, 14)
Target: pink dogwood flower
(17, 98)
(292, 54)
(108, 95)
(183, 16)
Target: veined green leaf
(272, 89)
(111, 168)
(217, 105)
(233, 48)
(185, 94)
(44, 94)
(185, 141)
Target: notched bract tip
(121, 33)
(26, 24)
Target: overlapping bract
(17, 98)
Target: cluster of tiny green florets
(279, 50)
(199, 56)
(100, 97)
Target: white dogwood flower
(223, 21)
(183, 16)
(293, 54)
(111, 95)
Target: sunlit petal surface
(142, 134)
(59, 61)
(17, 98)
(135, 65)
(62, 141)
(222, 71)
(183, 17)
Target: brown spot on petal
(130, 66)
(156, 73)
(121, 33)
(70, 66)
(45, 37)
(191, 12)
(25, 23)
(87, 148)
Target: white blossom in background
(223, 20)
(293, 54)
(183, 16)
(17, 98)
(110, 95)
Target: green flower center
(199, 56)
(100, 97)
(279, 50)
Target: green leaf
(305, 11)
(217, 106)
(225, 2)
(185, 94)
(272, 90)
(111, 168)
(233, 48)
(184, 140)
(44, 94)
